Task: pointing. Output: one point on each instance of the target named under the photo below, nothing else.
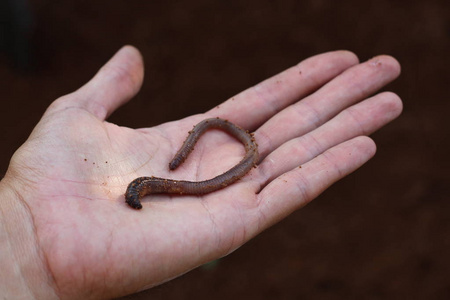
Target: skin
(66, 230)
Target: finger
(351, 86)
(361, 119)
(299, 186)
(255, 105)
(114, 84)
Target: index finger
(257, 104)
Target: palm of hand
(81, 180)
(79, 165)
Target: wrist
(23, 272)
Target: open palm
(311, 123)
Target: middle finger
(352, 86)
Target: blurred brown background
(381, 233)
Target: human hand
(70, 175)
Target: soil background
(381, 233)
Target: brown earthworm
(142, 186)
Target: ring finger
(360, 119)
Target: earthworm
(142, 186)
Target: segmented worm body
(142, 186)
